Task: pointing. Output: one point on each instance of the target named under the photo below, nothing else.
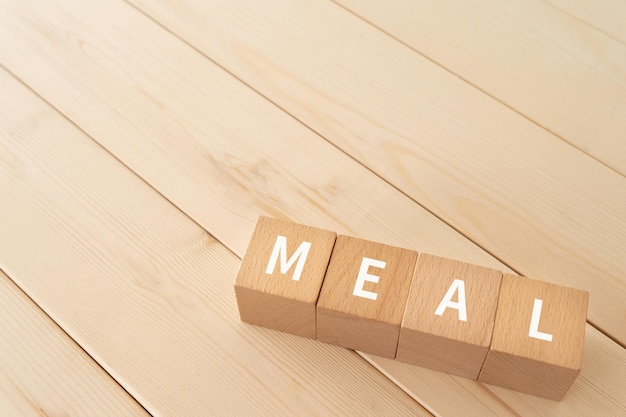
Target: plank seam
(601, 330)
(301, 122)
(4, 270)
(366, 359)
(479, 89)
(570, 15)
(66, 117)
(182, 212)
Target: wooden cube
(538, 338)
(449, 317)
(364, 294)
(281, 275)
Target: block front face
(449, 318)
(538, 338)
(281, 275)
(364, 294)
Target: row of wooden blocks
(463, 319)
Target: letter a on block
(280, 248)
(451, 341)
(457, 285)
(534, 323)
(271, 297)
(365, 276)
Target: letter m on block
(298, 257)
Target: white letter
(364, 276)
(280, 247)
(447, 300)
(534, 323)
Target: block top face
(561, 317)
(286, 259)
(391, 266)
(435, 304)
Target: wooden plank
(608, 16)
(221, 153)
(593, 393)
(146, 292)
(552, 68)
(550, 211)
(44, 373)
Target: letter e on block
(538, 338)
(281, 275)
(364, 294)
(449, 316)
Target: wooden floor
(140, 140)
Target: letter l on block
(534, 323)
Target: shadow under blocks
(514, 332)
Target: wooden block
(364, 294)
(281, 275)
(537, 344)
(449, 317)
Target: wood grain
(506, 185)
(179, 125)
(561, 73)
(44, 373)
(146, 292)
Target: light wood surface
(44, 373)
(607, 16)
(409, 155)
(146, 292)
(561, 74)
